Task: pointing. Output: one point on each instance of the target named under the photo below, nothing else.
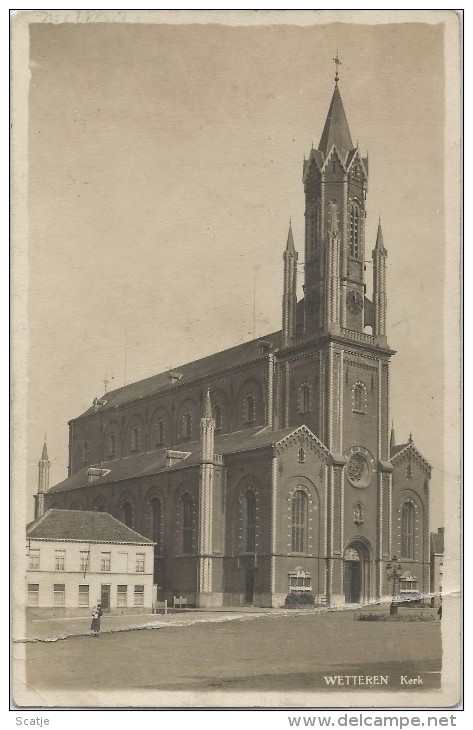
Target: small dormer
(174, 376)
(174, 457)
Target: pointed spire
(410, 438)
(336, 130)
(44, 455)
(379, 237)
(207, 405)
(392, 442)
(290, 239)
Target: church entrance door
(356, 572)
(352, 581)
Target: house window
(300, 580)
(126, 513)
(59, 594)
(135, 439)
(112, 445)
(34, 559)
(217, 415)
(359, 398)
(249, 408)
(187, 520)
(140, 563)
(83, 595)
(155, 526)
(249, 521)
(159, 432)
(139, 596)
(407, 530)
(187, 425)
(33, 594)
(304, 398)
(408, 583)
(299, 521)
(105, 559)
(59, 560)
(84, 561)
(122, 595)
(301, 455)
(354, 231)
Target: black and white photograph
(236, 359)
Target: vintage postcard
(236, 352)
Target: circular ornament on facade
(354, 301)
(360, 467)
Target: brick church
(270, 467)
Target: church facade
(270, 467)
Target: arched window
(126, 514)
(217, 415)
(135, 439)
(100, 507)
(159, 432)
(112, 445)
(155, 523)
(299, 522)
(301, 455)
(249, 521)
(354, 231)
(409, 470)
(187, 425)
(359, 398)
(187, 524)
(407, 530)
(304, 398)
(250, 408)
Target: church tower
(335, 180)
(43, 481)
(334, 377)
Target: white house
(77, 558)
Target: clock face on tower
(354, 301)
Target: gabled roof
(63, 524)
(206, 366)
(154, 462)
(401, 449)
(336, 131)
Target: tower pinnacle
(290, 239)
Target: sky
(164, 165)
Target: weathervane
(338, 63)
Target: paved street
(204, 652)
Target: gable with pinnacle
(409, 453)
(303, 437)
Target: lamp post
(394, 570)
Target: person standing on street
(96, 614)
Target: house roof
(63, 524)
(205, 367)
(154, 462)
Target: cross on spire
(338, 63)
